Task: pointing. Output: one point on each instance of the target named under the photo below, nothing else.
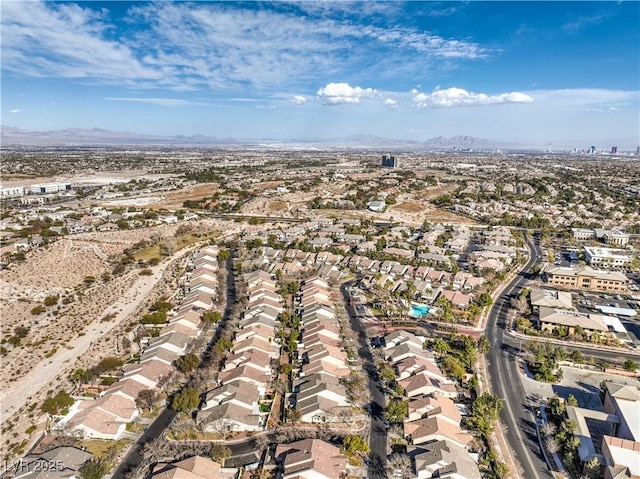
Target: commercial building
(50, 188)
(389, 161)
(11, 191)
(587, 278)
(616, 238)
(606, 257)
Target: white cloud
(72, 45)
(15, 110)
(299, 100)
(582, 22)
(155, 101)
(266, 107)
(190, 46)
(338, 93)
(391, 103)
(460, 97)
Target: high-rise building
(390, 161)
(614, 150)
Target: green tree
(187, 363)
(484, 412)
(484, 345)
(211, 316)
(453, 368)
(81, 376)
(93, 469)
(397, 410)
(219, 452)
(484, 299)
(630, 365)
(186, 400)
(53, 405)
(354, 444)
(224, 344)
(440, 346)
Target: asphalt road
(377, 429)
(155, 429)
(504, 377)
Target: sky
(534, 73)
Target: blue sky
(528, 72)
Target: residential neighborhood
(317, 322)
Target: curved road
(504, 374)
(504, 378)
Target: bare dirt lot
(86, 323)
(175, 200)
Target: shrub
(51, 300)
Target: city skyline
(523, 72)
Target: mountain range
(96, 136)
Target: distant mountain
(98, 136)
(461, 143)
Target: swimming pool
(419, 310)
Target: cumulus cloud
(460, 97)
(338, 93)
(15, 110)
(391, 103)
(299, 100)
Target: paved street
(378, 432)
(504, 378)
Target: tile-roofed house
(177, 327)
(417, 364)
(170, 340)
(256, 277)
(435, 428)
(310, 459)
(421, 383)
(257, 342)
(266, 310)
(149, 373)
(320, 398)
(440, 459)
(461, 300)
(406, 350)
(255, 329)
(395, 338)
(421, 407)
(59, 463)
(196, 467)
(127, 388)
(164, 355)
(246, 374)
(257, 358)
(232, 407)
(104, 418)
